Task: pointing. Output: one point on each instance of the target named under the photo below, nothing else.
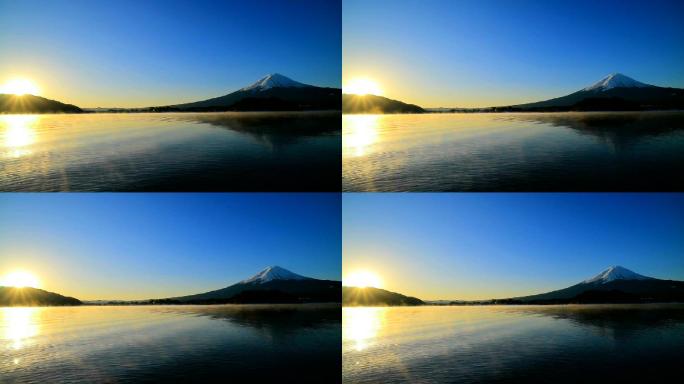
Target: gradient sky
(140, 246)
(483, 53)
(132, 53)
(483, 246)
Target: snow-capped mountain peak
(274, 80)
(273, 273)
(615, 272)
(615, 80)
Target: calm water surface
(227, 343)
(595, 151)
(474, 344)
(298, 151)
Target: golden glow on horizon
(358, 133)
(17, 133)
(19, 86)
(362, 279)
(20, 279)
(20, 325)
(361, 86)
(361, 325)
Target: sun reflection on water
(359, 133)
(20, 324)
(361, 325)
(17, 133)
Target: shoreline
(508, 112)
(179, 112)
(513, 305)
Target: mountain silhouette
(273, 92)
(371, 297)
(614, 284)
(34, 104)
(615, 92)
(27, 296)
(271, 285)
(376, 104)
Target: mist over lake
(586, 151)
(474, 344)
(225, 343)
(232, 151)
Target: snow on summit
(274, 80)
(616, 272)
(615, 80)
(274, 273)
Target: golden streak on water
(359, 132)
(361, 325)
(20, 325)
(18, 133)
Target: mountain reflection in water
(473, 344)
(232, 151)
(263, 343)
(583, 151)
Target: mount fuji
(273, 92)
(274, 80)
(614, 284)
(615, 272)
(273, 273)
(616, 80)
(613, 92)
(273, 284)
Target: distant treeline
(588, 297)
(244, 297)
(594, 104)
(250, 104)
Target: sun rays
(18, 103)
(20, 279)
(362, 86)
(362, 279)
(19, 86)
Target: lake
(592, 151)
(473, 344)
(220, 343)
(232, 151)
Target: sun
(20, 279)
(19, 86)
(361, 86)
(363, 279)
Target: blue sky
(138, 246)
(481, 53)
(481, 246)
(141, 53)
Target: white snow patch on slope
(274, 80)
(616, 272)
(274, 273)
(615, 80)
